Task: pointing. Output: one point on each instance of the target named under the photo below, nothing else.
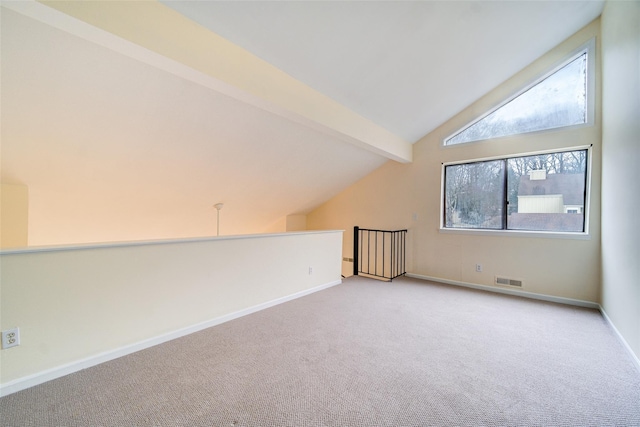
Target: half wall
(83, 305)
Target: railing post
(404, 252)
(356, 239)
(393, 254)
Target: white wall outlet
(479, 268)
(10, 338)
(310, 270)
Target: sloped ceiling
(406, 65)
(112, 147)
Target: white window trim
(588, 47)
(584, 235)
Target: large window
(558, 100)
(541, 192)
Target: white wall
(74, 304)
(620, 161)
(398, 196)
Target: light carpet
(363, 353)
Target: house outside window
(542, 192)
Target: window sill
(518, 233)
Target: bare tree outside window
(544, 192)
(474, 193)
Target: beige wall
(398, 196)
(77, 303)
(280, 226)
(14, 215)
(296, 222)
(287, 224)
(620, 161)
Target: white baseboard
(60, 371)
(550, 298)
(515, 292)
(621, 338)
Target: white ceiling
(406, 65)
(112, 148)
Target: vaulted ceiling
(129, 120)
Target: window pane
(474, 195)
(547, 192)
(557, 101)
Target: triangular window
(556, 101)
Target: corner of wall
(620, 287)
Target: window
(556, 101)
(541, 192)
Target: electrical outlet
(310, 270)
(11, 338)
(479, 268)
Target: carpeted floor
(364, 353)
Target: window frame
(583, 235)
(590, 48)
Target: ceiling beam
(157, 35)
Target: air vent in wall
(508, 282)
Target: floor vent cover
(508, 282)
